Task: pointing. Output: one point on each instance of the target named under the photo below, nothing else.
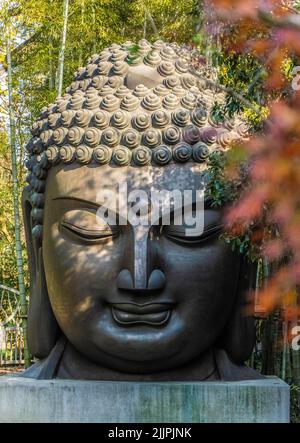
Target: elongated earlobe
(43, 330)
(238, 338)
(42, 325)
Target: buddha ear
(239, 335)
(43, 330)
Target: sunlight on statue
(114, 298)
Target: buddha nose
(137, 276)
(155, 282)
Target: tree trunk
(80, 60)
(270, 357)
(50, 51)
(19, 257)
(271, 335)
(145, 25)
(295, 354)
(284, 349)
(94, 27)
(151, 20)
(62, 49)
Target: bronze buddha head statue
(111, 298)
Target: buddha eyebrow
(81, 200)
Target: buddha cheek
(203, 282)
(78, 277)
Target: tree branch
(228, 90)
(290, 21)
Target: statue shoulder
(230, 371)
(47, 368)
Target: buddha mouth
(155, 314)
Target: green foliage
(295, 403)
(245, 74)
(220, 190)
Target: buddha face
(136, 298)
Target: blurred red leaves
(271, 202)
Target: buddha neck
(74, 365)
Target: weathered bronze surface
(120, 301)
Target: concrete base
(26, 400)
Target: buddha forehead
(85, 182)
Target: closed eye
(180, 235)
(89, 235)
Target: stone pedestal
(62, 401)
